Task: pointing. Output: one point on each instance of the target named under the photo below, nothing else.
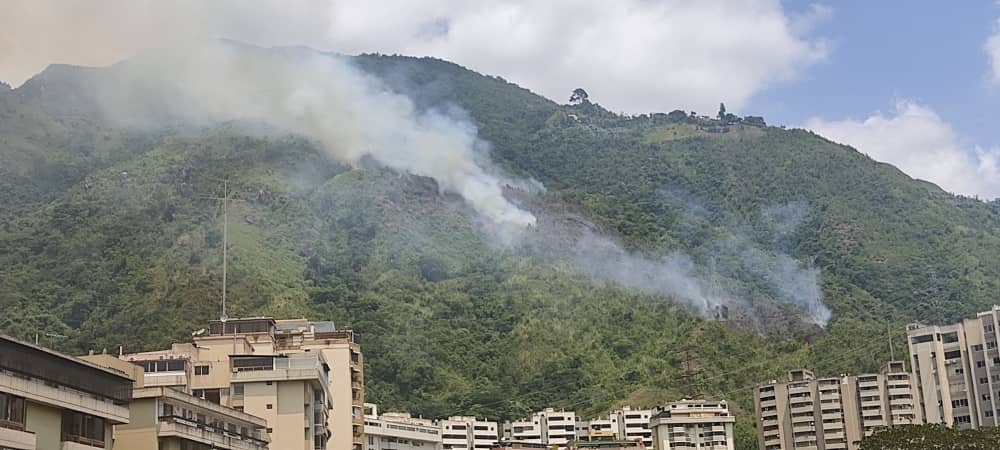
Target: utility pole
(225, 245)
(691, 388)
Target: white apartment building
(468, 433)
(596, 429)
(549, 427)
(399, 431)
(693, 424)
(632, 425)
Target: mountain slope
(112, 236)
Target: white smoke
(323, 97)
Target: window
(82, 428)
(269, 406)
(953, 354)
(238, 389)
(269, 383)
(980, 363)
(269, 430)
(922, 339)
(168, 410)
(170, 365)
(984, 380)
(986, 397)
(977, 348)
(11, 412)
(962, 419)
(949, 338)
(201, 370)
(959, 403)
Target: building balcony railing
(154, 380)
(181, 428)
(83, 441)
(64, 397)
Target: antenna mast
(225, 244)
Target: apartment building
(632, 425)
(51, 401)
(833, 413)
(550, 427)
(305, 379)
(693, 424)
(399, 431)
(468, 433)
(596, 429)
(163, 418)
(957, 369)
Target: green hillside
(112, 236)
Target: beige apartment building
(51, 401)
(163, 418)
(693, 424)
(304, 379)
(957, 369)
(833, 413)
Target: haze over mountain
(484, 240)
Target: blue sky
(930, 52)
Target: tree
(722, 111)
(579, 96)
(933, 436)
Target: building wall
(833, 413)
(957, 371)
(340, 422)
(46, 423)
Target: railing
(11, 425)
(68, 437)
(176, 426)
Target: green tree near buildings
(932, 437)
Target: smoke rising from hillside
(322, 97)
(679, 277)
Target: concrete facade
(51, 401)
(305, 379)
(468, 433)
(833, 413)
(549, 427)
(693, 424)
(399, 431)
(957, 370)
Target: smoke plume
(323, 97)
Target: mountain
(111, 235)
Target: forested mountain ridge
(112, 235)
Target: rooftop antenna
(888, 329)
(225, 245)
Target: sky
(912, 83)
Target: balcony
(16, 439)
(70, 445)
(183, 429)
(165, 379)
(64, 397)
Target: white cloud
(915, 139)
(634, 55)
(992, 48)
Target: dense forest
(111, 235)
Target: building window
(11, 412)
(962, 419)
(984, 380)
(954, 354)
(269, 430)
(980, 363)
(168, 410)
(201, 370)
(977, 348)
(237, 389)
(82, 428)
(269, 406)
